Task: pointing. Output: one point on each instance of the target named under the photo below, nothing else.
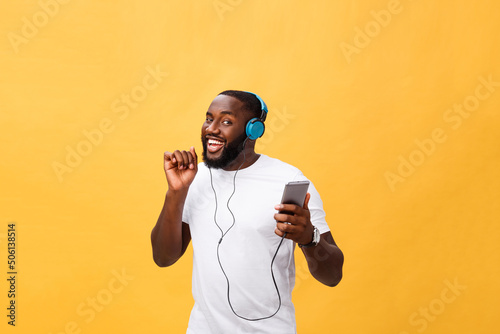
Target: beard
(229, 153)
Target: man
(243, 239)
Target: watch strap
(315, 240)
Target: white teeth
(214, 142)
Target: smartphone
(295, 193)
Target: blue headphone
(255, 127)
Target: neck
(245, 159)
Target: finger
(169, 160)
(286, 228)
(278, 232)
(289, 208)
(167, 156)
(281, 233)
(185, 159)
(306, 202)
(281, 217)
(177, 158)
(193, 153)
(190, 159)
(284, 218)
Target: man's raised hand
(180, 168)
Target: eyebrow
(223, 112)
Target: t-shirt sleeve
(315, 206)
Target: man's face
(223, 132)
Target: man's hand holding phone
(292, 218)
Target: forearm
(325, 260)
(167, 235)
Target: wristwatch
(315, 240)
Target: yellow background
(345, 119)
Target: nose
(213, 128)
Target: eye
(208, 119)
(227, 122)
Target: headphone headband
(263, 106)
(255, 127)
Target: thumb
(195, 156)
(306, 201)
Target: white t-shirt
(246, 250)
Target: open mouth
(214, 145)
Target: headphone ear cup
(255, 128)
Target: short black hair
(250, 101)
